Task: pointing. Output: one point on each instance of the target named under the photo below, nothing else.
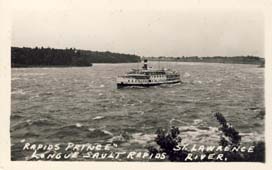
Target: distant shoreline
(46, 66)
(257, 64)
(48, 57)
(25, 57)
(216, 59)
(65, 66)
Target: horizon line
(142, 56)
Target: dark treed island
(50, 57)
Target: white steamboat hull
(146, 84)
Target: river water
(83, 105)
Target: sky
(141, 27)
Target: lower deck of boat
(122, 85)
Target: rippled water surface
(82, 104)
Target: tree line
(39, 56)
(214, 59)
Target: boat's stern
(120, 81)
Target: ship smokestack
(145, 64)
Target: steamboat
(147, 76)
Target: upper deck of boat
(149, 71)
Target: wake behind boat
(147, 76)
